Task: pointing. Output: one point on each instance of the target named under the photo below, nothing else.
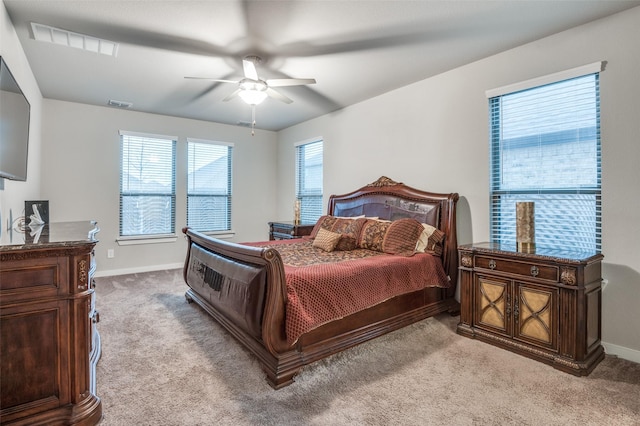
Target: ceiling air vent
(70, 39)
(120, 104)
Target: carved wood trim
(568, 276)
(384, 181)
(82, 274)
(466, 260)
(528, 350)
(21, 254)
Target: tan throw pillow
(430, 241)
(326, 240)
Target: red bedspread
(322, 287)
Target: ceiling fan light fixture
(252, 96)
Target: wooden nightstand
(544, 305)
(287, 230)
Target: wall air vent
(70, 39)
(244, 124)
(120, 104)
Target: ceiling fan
(253, 89)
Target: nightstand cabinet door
(493, 310)
(522, 311)
(535, 313)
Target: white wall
(14, 194)
(81, 164)
(434, 135)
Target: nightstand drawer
(288, 230)
(279, 235)
(283, 229)
(526, 269)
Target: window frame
(308, 216)
(228, 196)
(501, 223)
(128, 239)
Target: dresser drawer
(25, 279)
(539, 271)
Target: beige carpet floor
(166, 362)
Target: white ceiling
(355, 49)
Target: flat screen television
(15, 113)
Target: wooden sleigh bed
(245, 288)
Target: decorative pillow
(402, 236)
(326, 240)
(349, 229)
(372, 234)
(431, 240)
(325, 222)
(397, 237)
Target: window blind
(309, 180)
(209, 185)
(545, 148)
(147, 184)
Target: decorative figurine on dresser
(542, 304)
(49, 343)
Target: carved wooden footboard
(244, 287)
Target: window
(209, 185)
(309, 180)
(545, 148)
(147, 184)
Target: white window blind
(209, 185)
(147, 184)
(309, 180)
(545, 148)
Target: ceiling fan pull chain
(253, 119)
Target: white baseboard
(622, 352)
(113, 272)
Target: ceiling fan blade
(277, 95)
(280, 82)
(249, 69)
(213, 79)
(231, 96)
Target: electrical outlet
(110, 254)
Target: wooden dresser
(49, 344)
(287, 230)
(545, 306)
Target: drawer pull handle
(534, 271)
(492, 264)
